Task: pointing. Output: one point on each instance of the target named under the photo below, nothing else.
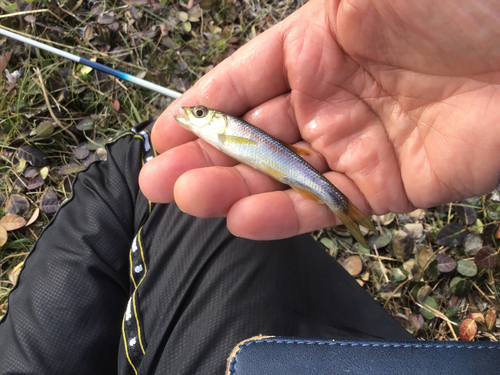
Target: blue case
(297, 356)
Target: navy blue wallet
(297, 356)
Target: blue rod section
(95, 65)
(129, 78)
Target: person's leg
(206, 290)
(64, 315)
(180, 291)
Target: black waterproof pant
(117, 284)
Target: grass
(434, 270)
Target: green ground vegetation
(435, 270)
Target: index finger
(251, 76)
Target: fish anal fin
(352, 218)
(307, 194)
(232, 139)
(300, 151)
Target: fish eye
(200, 111)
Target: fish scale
(280, 157)
(252, 146)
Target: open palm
(398, 101)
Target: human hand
(398, 102)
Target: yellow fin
(352, 218)
(232, 139)
(308, 194)
(300, 151)
(271, 172)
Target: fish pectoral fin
(232, 139)
(271, 172)
(300, 151)
(308, 194)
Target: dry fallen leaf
(468, 330)
(13, 273)
(116, 105)
(4, 59)
(477, 317)
(3, 235)
(490, 319)
(33, 217)
(486, 257)
(12, 222)
(353, 265)
(424, 257)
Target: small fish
(252, 146)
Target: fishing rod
(94, 65)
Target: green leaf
(186, 26)
(361, 248)
(331, 245)
(451, 235)
(44, 129)
(381, 240)
(452, 311)
(432, 271)
(397, 274)
(477, 227)
(493, 211)
(454, 281)
(8, 7)
(429, 302)
(326, 242)
(466, 268)
(461, 288)
(85, 124)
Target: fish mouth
(183, 118)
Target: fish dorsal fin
(234, 140)
(308, 194)
(300, 151)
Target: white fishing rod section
(94, 65)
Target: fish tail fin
(352, 218)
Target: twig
(394, 292)
(370, 255)
(13, 256)
(382, 267)
(439, 314)
(49, 106)
(482, 293)
(24, 12)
